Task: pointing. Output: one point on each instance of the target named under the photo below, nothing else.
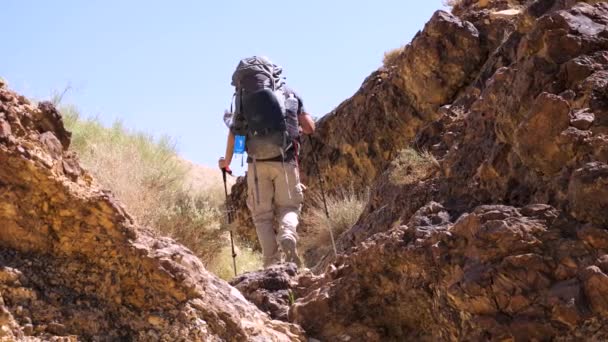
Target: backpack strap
(232, 103)
(240, 95)
(256, 181)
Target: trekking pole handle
(225, 169)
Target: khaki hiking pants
(280, 193)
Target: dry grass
(344, 211)
(392, 56)
(412, 166)
(159, 189)
(141, 171)
(200, 179)
(451, 3)
(193, 221)
(246, 260)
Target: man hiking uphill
(270, 117)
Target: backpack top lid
(254, 73)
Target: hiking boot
(291, 254)
(272, 260)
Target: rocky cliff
(355, 142)
(504, 238)
(507, 239)
(526, 130)
(74, 264)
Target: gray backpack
(265, 113)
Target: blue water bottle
(239, 144)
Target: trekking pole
(321, 185)
(229, 215)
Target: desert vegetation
(159, 188)
(412, 166)
(451, 3)
(344, 209)
(391, 56)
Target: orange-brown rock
(508, 241)
(271, 290)
(73, 263)
(356, 141)
(496, 273)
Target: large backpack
(267, 113)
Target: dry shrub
(412, 166)
(344, 211)
(143, 172)
(246, 260)
(392, 56)
(157, 187)
(193, 221)
(206, 181)
(451, 3)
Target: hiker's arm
(223, 163)
(307, 123)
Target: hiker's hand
(223, 164)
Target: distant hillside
(201, 178)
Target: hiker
(270, 116)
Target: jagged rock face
(536, 121)
(498, 273)
(9, 329)
(356, 141)
(508, 241)
(271, 290)
(528, 132)
(73, 263)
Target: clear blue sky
(164, 67)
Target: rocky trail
(505, 239)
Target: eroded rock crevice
(506, 240)
(73, 262)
